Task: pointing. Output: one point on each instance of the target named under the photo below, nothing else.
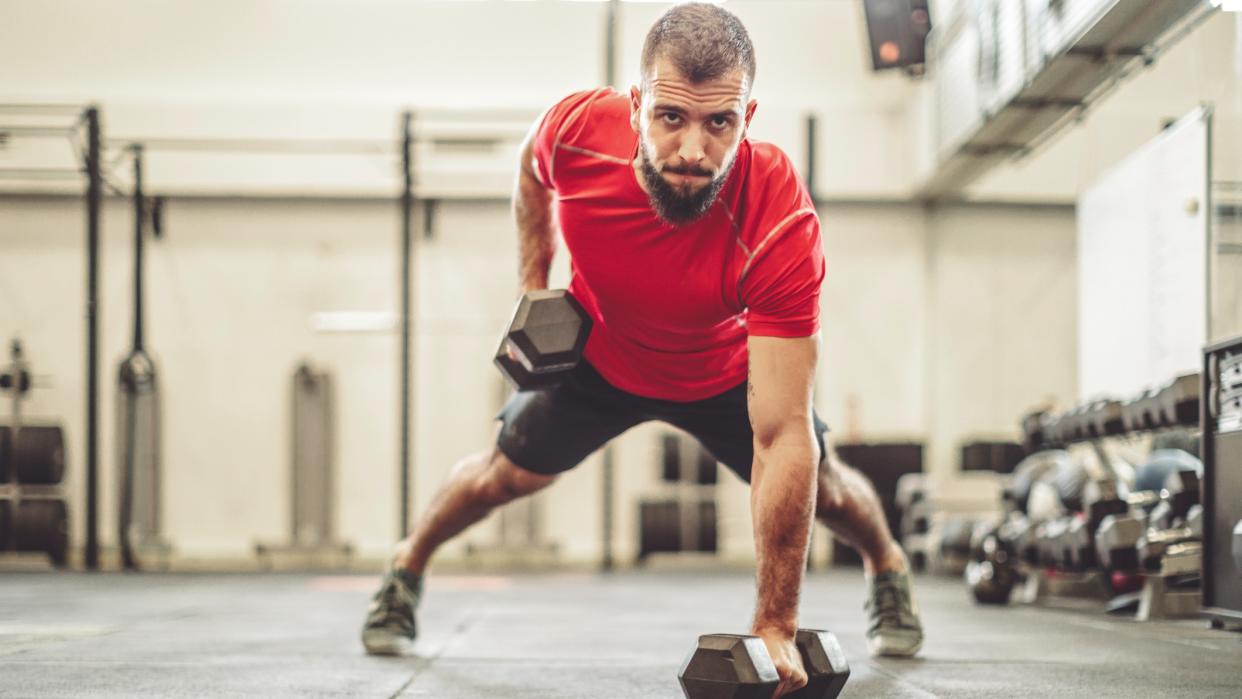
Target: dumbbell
(992, 571)
(732, 666)
(1155, 542)
(544, 341)
(1100, 499)
(1080, 551)
(1116, 539)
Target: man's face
(688, 137)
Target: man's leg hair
(848, 505)
(476, 485)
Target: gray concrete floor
(555, 635)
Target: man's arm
(532, 209)
(783, 484)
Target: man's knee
(504, 480)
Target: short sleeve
(554, 125)
(781, 286)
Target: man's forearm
(782, 506)
(532, 209)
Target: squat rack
(86, 118)
(90, 167)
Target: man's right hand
(785, 656)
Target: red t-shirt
(673, 306)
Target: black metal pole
(94, 201)
(139, 219)
(407, 214)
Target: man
(697, 253)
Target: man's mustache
(694, 171)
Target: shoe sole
(881, 649)
(386, 644)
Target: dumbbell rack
(1171, 405)
(33, 516)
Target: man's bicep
(781, 382)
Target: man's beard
(669, 203)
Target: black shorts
(551, 431)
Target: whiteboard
(1142, 264)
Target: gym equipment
(1220, 431)
(6, 525)
(1030, 470)
(1155, 542)
(1079, 548)
(1177, 402)
(6, 458)
(733, 666)
(1237, 547)
(1070, 479)
(677, 452)
(1000, 457)
(992, 571)
(544, 341)
(1105, 419)
(42, 525)
(671, 525)
(1116, 541)
(38, 454)
(1100, 499)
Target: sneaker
(390, 627)
(895, 629)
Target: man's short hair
(704, 41)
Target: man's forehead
(665, 82)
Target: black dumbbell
(1100, 499)
(1116, 539)
(544, 340)
(992, 571)
(733, 666)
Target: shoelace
(886, 603)
(394, 605)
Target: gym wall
(235, 284)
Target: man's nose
(693, 147)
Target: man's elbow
(790, 441)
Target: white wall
(343, 70)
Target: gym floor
(553, 635)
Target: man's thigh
(549, 432)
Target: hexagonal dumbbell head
(728, 666)
(826, 667)
(544, 341)
(1115, 541)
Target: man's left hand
(785, 656)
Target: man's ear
(636, 107)
(750, 111)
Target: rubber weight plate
(39, 454)
(42, 525)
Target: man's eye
(720, 122)
(672, 118)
